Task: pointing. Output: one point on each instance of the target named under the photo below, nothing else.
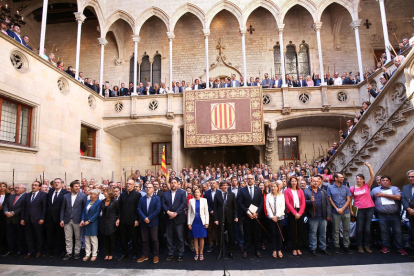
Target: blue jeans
(408, 226)
(387, 221)
(363, 226)
(317, 229)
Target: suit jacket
(17, 208)
(299, 83)
(230, 209)
(279, 83)
(128, 204)
(151, 213)
(180, 203)
(211, 85)
(34, 211)
(289, 83)
(53, 209)
(124, 92)
(236, 83)
(204, 213)
(150, 91)
(95, 88)
(326, 204)
(225, 85)
(290, 203)
(346, 133)
(407, 198)
(93, 216)
(161, 215)
(17, 38)
(244, 200)
(67, 212)
(109, 216)
(210, 201)
(267, 83)
(199, 87)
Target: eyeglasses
(149, 188)
(410, 176)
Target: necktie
(251, 192)
(275, 208)
(33, 196)
(17, 197)
(56, 194)
(225, 198)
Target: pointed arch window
(291, 60)
(277, 61)
(145, 70)
(303, 60)
(156, 69)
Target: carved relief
(342, 159)
(377, 39)
(398, 94)
(63, 85)
(353, 149)
(380, 116)
(269, 145)
(19, 61)
(365, 132)
(118, 62)
(286, 110)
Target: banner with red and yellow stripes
(163, 163)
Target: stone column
(136, 40)
(151, 63)
(317, 27)
(170, 40)
(355, 25)
(385, 29)
(282, 52)
(243, 33)
(206, 34)
(270, 140)
(102, 42)
(43, 28)
(80, 18)
(175, 147)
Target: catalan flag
(163, 163)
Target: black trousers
(229, 227)
(15, 237)
(296, 229)
(276, 237)
(34, 237)
(128, 231)
(252, 231)
(161, 231)
(146, 232)
(109, 243)
(2, 230)
(55, 235)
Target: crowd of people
(250, 207)
(13, 30)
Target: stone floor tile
(333, 270)
(305, 271)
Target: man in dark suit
(149, 208)
(266, 83)
(95, 86)
(161, 215)
(197, 85)
(173, 204)
(211, 84)
(15, 231)
(15, 34)
(212, 228)
(128, 204)
(251, 195)
(33, 217)
(149, 90)
(238, 226)
(407, 199)
(349, 128)
(124, 91)
(277, 83)
(226, 200)
(71, 218)
(225, 84)
(300, 83)
(54, 233)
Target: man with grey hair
(407, 199)
(71, 217)
(15, 231)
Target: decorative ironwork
(303, 60)
(304, 98)
(156, 70)
(153, 105)
(145, 70)
(118, 107)
(63, 85)
(367, 24)
(266, 99)
(342, 96)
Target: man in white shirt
(337, 79)
(197, 85)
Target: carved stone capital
(326, 108)
(136, 38)
(286, 110)
(170, 35)
(80, 18)
(206, 32)
(280, 28)
(243, 30)
(356, 24)
(102, 41)
(317, 26)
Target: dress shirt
(213, 193)
(235, 191)
(55, 194)
(73, 198)
(2, 199)
(295, 199)
(148, 202)
(34, 195)
(172, 197)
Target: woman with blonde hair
(309, 81)
(197, 220)
(275, 206)
(90, 223)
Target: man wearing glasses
(408, 200)
(33, 217)
(251, 195)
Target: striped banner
(163, 163)
(223, 116)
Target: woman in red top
(295, 206)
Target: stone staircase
(385, 131)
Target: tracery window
(156, 70)
(291, 60)
(303, 60)
(145, 70)
(277, 61)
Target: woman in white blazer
(198, 222)
(275, 207)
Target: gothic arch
(309, 5)
(267, 4)
(349, 6)
(113, 17)
(96, 7)
(148, 13)
(224, 5)
(185, 8)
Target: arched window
(291, 60)
(145, 70)
(156, 70)
(131, 70)
(276, 57)
(303, 60)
